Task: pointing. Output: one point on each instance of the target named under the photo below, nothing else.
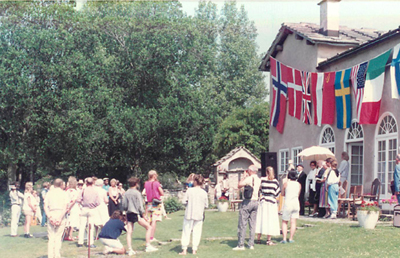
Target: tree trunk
(12, 173)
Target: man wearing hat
(106, 185)
(16, 198)
(301, 178)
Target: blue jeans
(43, 218)
(398, 198)
(333, 194)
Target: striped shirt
(270, 190)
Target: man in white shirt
(55, 206)
(16, 198)
(311, 187)
(248, 211)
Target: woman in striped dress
(267, 214)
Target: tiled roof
(310, 31)
(233, 152)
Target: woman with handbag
(154, 192)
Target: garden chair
(356, 200)
(236, 200)
(375, 191)
(342, 199)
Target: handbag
(155, 201)
(248, 191)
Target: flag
(342, 97)
(395, 72)
(306, 89)
(279, 94)
(371, 101)
(295, 92)
(358, 76)
(323, 97)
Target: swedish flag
(343, 99)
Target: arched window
(355, 149)
(328, 138)
(386, 150)
(355, 133)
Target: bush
(172, 204)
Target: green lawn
(322, 240)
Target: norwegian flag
(295, 92)
(279, 94)
(306, 83)
(357, 77)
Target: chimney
(329, 17)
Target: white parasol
(316, 153)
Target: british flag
(279, 95)
(306, 87)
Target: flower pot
(367, 219)
(222, 206)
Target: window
(283, 160)
(328, 138)
(295, 152)
(386, 149)
(355, 133)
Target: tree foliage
(119, 88)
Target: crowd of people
(97, 210)
(101, 211)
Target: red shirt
(152, 190)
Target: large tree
(121, 87)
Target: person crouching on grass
(132, 203)
(196, 200)
(111, 231)
(291, 208)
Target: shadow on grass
(230, 243)
(354, 226)
(176, 249)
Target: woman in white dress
(267, 214)
(102, 210)
(29, 208)
(291, 208)
(74, 209)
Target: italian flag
(371, 103)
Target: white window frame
(296, 160)
(329, 145)
(380, 137)
(280, 160)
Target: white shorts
(290, 212)
(113, 243)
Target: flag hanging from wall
(279, 95)
(295, 92)
(371, 101)
(395, 72)
(323, 97)
(306, 83)
(343, 99)
(358, 76)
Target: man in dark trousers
(301, 178)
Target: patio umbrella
(316, 153)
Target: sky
(268, 15)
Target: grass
(322, 240)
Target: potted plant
(223, 204)
(368, 214)
(387, 204)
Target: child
(196, 201)
(132, 203)
(291, 191)
(110, 232)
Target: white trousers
(87, 218)
(55, 239)
(15, 214)
(188, 226)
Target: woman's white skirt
(267, 219)
(102, 215)
(74, 216)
